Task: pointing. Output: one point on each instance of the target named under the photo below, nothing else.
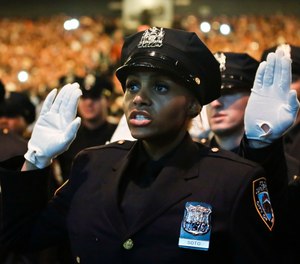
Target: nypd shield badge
(262, 202)
(196, 226)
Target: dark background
(35, 8)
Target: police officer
(162, 198)
(11, 143)
(226, 114)
(95, 128)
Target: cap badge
(89, 81)
(221, 58)
(152, 38)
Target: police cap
(237, 70)
(18, 104)
(176, 52)
(295, 57)
(92, 86)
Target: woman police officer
(160, 199)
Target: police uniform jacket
(87, 208)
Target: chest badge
(196, 226)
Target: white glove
(272, 107)
(55, 128)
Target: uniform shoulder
(215, 152)
(120, 144)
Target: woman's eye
(162, 88)
(132, 86)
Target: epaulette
(226, 154)
(120, 144)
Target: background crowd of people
(44, 49)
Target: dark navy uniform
(88, 207)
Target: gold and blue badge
(196, 226)
(262, 202)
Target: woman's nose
(142, 97)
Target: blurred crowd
(47, 52)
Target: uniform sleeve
(273, 160)
(253, 222)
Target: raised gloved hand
(56, 126)
(272, 107)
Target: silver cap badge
(221, 58)
(152, 38)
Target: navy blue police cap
(18, 104)
(175, 52)
(238, 71)
(295, 57)
(92, 86)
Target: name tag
(195, 227)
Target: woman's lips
(138, 118)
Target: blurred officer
(17, 112)
(93, 107)
(162, 198)
(11, 143)
(226, 114)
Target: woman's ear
(194, 108)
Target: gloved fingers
(293, 101)
(48, 102)
(269, 72)
(286, 75)
(277, 77)
(259, 76)
(61, 98)
(71, 130)
(70, 108)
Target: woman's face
(157, 108)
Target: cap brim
(150, 63)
